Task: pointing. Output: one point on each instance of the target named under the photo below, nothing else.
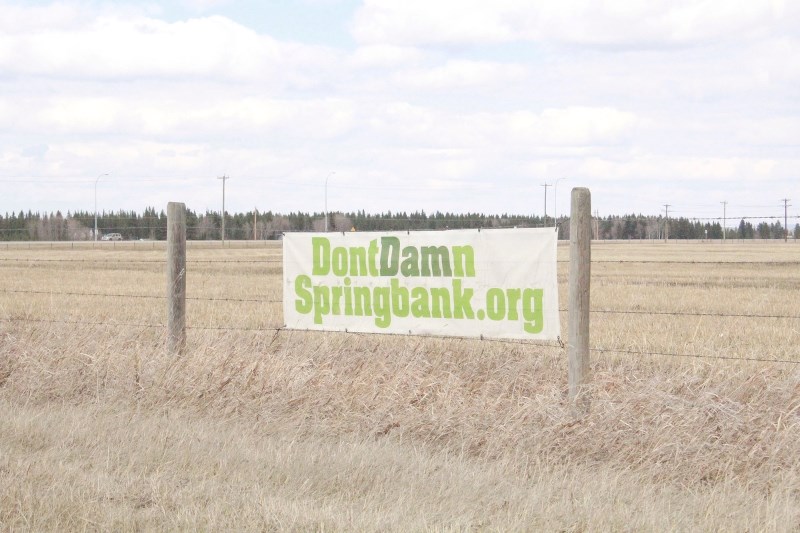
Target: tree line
(151, 225)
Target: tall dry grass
(102, 429)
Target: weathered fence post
(580, 257)
(176, 277)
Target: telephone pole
(224, 179)
(255, 224)
(724, 220)
(785, 220)
(545, 185)
(666, 222)
(95, 204)
(326, 199)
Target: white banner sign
(492, 283)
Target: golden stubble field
(257, 430)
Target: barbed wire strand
(441, 337)
(696, 356)
(688, 313)
(278, 329)
(143, 296)
(276, 301)
(689, 262)
(80, 322)
(280, 261)
(128, 261)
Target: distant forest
(151, 224)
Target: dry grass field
(252, 429)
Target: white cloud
(779, 132)
(278, 121)
(188, 118)
(648, 116)
(145, 47)
(204, 5)
(775, 60)
(384, 56)
(571, 126)
(77, 115)
(115, 47)
(21, 20)
(614, 22)
(461, 74)
(683, 170)
(423, 22)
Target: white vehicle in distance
(111, 237)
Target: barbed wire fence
(121, 296)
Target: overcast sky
(451, 105)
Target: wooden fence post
(580, 258)
(176, 277)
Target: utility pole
(224, 179)
(555, 203)
(545, 185)
(95, 204)
(666, 222)
(724, 220)
(597, 224)
(326, 199)
(255, 223)
(785, 220)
